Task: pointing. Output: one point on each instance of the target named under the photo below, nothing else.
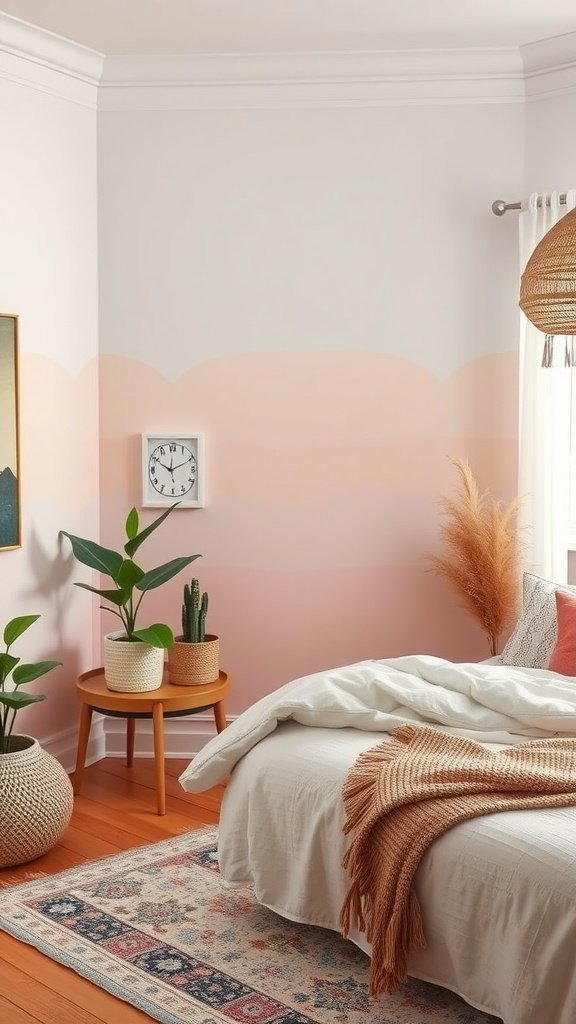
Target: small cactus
(194, 611)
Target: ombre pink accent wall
(321, 500)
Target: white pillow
(535, 633)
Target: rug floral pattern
(157, 927)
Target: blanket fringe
(360, 787)
(404, 934)
(360, 796)
(352, 913)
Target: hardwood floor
(116, 811)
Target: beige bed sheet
(498, 893)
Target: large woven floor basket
(194, 664)
(36, 802)
(132, 667)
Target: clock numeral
(183, 488)
(172, 448)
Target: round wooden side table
(168, 701)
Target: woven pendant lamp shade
(548, 284)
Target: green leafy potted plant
(193, 659)
(133, 657)
(35, 792)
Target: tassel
(352, 912)
(570, 352)
(548, 351)
(402, 934)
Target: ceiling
(295, 26)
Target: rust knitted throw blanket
(404, 793)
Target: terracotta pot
(194, 664)
(36, 801)
(132, 667)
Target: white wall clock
(172, 470)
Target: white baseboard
(63, 745)
(183, 737)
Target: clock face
(172, 469)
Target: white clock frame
(194, 498)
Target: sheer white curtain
(544, 428)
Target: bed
(498, 892)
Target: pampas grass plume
(482, 558)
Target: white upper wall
(48, 192)
(550, 143)
(364, 229)
(550, 111)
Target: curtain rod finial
(499, 207)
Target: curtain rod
(499, 206)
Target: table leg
(220, 716)
(130, 731)
(83, 734)
(158, 727)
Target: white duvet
(498, 893)
(489, 702)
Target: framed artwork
(10, 513)
(173, 470)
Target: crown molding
(550, 66)
(47, 62)
(42, 60)
(276, 80)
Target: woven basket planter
(132, 667)
(36, 802)
(194, 664)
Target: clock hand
(183, 463)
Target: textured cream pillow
(535, 633)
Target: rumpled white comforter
(488, 702)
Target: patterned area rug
(157, 927)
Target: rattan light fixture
(548, 286)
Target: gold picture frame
(10, 505)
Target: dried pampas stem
(482, 561)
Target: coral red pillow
(563, 656)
